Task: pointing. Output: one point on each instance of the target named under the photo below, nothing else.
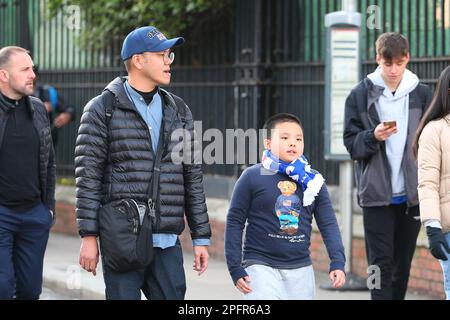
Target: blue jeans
(23, 239)
(446, 269)
(163, 279)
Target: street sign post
(342, 73)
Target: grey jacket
(372, 169)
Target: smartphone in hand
(390, 123)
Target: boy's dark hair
(392, 45)
(276, 119)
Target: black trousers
(391, 235)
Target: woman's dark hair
(439, 107)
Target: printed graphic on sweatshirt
(288, 207)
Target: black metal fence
(264, 57)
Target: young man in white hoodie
(381, 115)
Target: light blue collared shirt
(152, 115)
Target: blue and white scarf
(298, 170)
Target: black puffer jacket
(126, 172)
(47, 169)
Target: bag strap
(109, 102)
(177, 103)
(156, 171)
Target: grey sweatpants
(268, 283)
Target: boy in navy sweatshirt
(277, 199)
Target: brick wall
(65, 219)
(426, 273)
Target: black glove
(437, 240)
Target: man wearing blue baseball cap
(124, 153)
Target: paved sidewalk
(64, 279)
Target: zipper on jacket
(405, 174)
(387, 171)
(155, 204)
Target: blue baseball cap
(147, 39)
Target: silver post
(349, 5)
(342, 27)
(346, 187)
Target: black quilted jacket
(47, 169)
(120, 166)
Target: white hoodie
(395, 107)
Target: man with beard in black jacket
(27, 178)
(120, 134)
